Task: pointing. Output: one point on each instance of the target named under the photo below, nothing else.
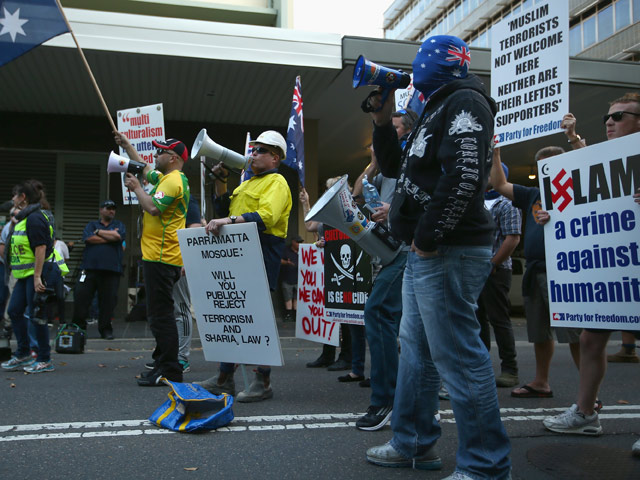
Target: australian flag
(417, 102)
(25, 24)
(295, 134)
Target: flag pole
(86, 64)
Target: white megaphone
(338, 209)
(207, 147)
(118, 164)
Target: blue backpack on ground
(191, 408)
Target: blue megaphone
(368, 73)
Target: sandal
(530, 392)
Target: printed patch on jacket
(464, 123)
(419, 145)
(159, 195)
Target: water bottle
(370, 194)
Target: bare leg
(544, 353)
(593, 365)
(575, 353)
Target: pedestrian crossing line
(263, 423)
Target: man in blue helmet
(438, 209)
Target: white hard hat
(273, 138)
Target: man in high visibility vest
(37, 266)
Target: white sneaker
(574, 421)
(635, 449)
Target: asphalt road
(87, 420)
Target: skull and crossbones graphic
(344, 266)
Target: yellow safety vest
(23, 260)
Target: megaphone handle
(385, 94)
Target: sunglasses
(160, 151)
(617, 116)
(261, 150)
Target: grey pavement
(87, 420)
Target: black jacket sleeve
(387, 149)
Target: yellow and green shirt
(159, 234)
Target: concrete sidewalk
(139, 333)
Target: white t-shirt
(62, 249)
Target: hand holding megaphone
(368, 73)
(131, 182)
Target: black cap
(175, 145)
(108, 203)
(298, 239)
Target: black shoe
(349, 378)
(107, 335)
(320, 362)
(153, 379)
(375, 418)
(150, 365)
(365, 383)
(340, 364)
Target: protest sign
(230, 295)
(530, 72)
(141, 125)
(347, 273)
(591, 241)
(311, 323)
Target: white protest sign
(310, 321)
(530, 72)
(230, 294)
(591, 241)
(141, 125)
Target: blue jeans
(382, 314)
(439, 333)
(20, 312)
(358, 348)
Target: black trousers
(159, 279)
(493, 311)
(106, 283)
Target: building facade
(600, 29)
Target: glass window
(575, 40)
(482, 39)
(527, 4)
(623, 14)
(605, 23)
(636, 11)
(458, 14)
(465, 7)
(589, 32)
(516, 9)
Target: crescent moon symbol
(545, 169)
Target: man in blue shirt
(102, 269)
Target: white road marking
(265, 423)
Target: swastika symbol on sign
(562, 190)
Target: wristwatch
(96, 231)
(577, 139)
(233, 219)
